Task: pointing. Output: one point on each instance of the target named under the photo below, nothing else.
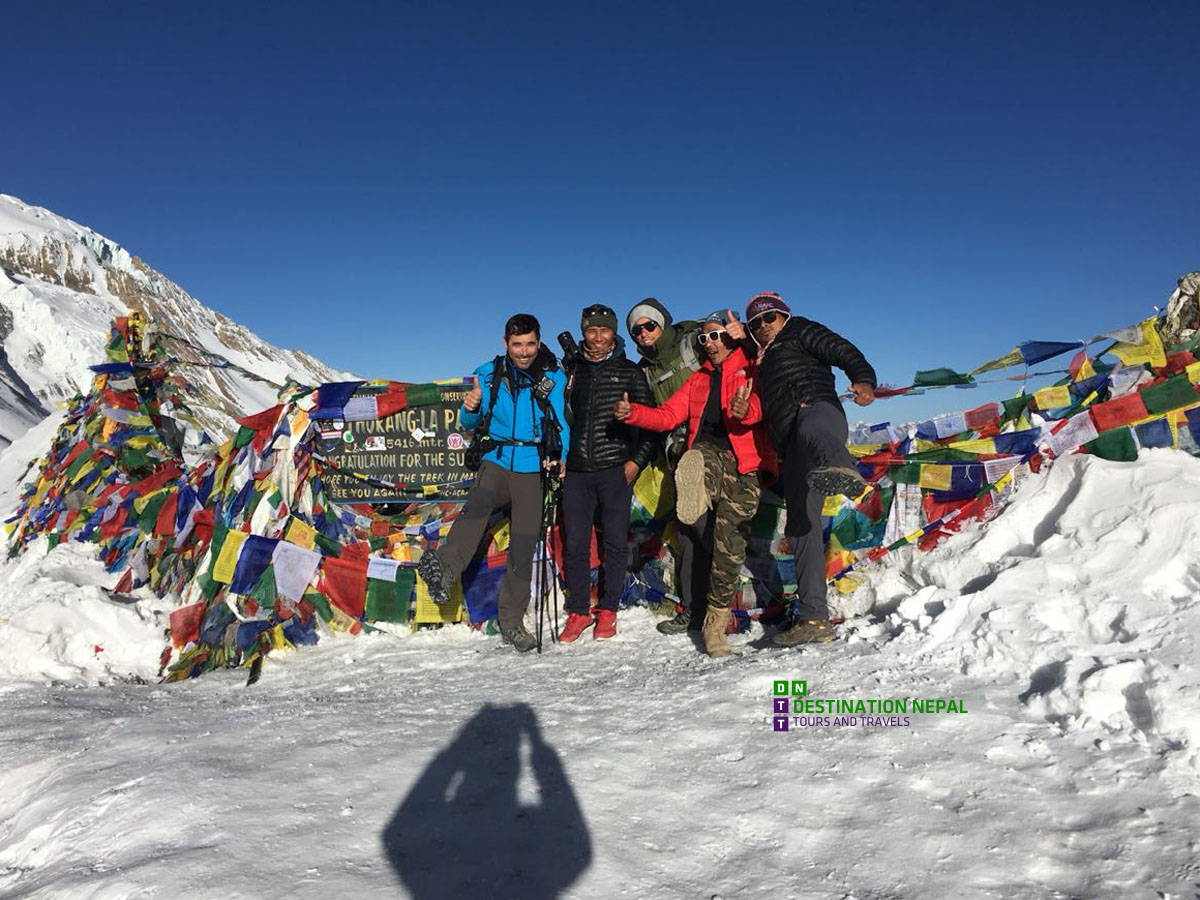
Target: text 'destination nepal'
(801, 711)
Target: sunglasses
(705, 336)
(649, 327)
(766, 318)
(598, 309)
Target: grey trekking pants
(818, 438)
(495, 488)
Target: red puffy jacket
(747, 436)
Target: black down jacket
(797, 368)
(599, 441)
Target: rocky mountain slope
(61, 284)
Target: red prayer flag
(982, 416)
(165, 524)
(268, 418)
(1121, 411)
(392, 401)
(344, 582)
(185, 623)
(166, 472)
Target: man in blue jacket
(516, 409)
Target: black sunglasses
(766, 318)
(645, 326)
(598, 309)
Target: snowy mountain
(61, 285)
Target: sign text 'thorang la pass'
(421, 445)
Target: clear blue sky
(381, 184)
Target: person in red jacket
(717, 485)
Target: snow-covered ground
(441, 765)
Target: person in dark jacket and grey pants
(603, 461)
(809, 430)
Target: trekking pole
(546, 576)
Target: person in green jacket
(667, 348)
(669, 355)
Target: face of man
(522, 349)
(598, 339)
(765, 326)
(720, 348)
(646, 332)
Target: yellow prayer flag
(831, 505)
(301, 534)
(227, 560)
(1012, 358)
(299, 422)
(500, 535)
(428, 611)
(935, 476)
(1052, 397)
(1193, 373)
(139, 505)
(655, 490)
(1148, 350)
(865, 449)
(278, 641)
(1086, 370)
(981, 445)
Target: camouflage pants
(726, 526)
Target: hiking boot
(520, 638)
(576, 623)
(677, 625)
(431, 572)
(691, 500)
(832, 480)
(809, 632)
(716, 621)
(606, 624)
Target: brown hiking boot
(715, 623)
(809, 632)
(830, 480)
(678, 625)
(691, 499)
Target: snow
(439, 764)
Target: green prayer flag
(1117, 445)
(388, 601)
(243, 437)
(263, 592)
(317, 599)
(1014, 406)
(940, 377)
(328, 545)
(422, 394)
(150, 511)
(1171, 394)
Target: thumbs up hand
(735, 329)
(622, 409)
(473, 397)
(739, 405)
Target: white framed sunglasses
(705, 336)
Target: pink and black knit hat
(766, 301)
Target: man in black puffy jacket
(808, 427)
(603, 461)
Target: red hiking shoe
(606, 624)
(576, 623)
